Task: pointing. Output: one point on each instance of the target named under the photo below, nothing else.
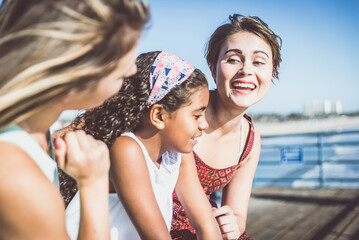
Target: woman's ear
(273, 77)
(157, 116)
(213, 72)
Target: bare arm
(236, 195)
(198, 209)
(87, 161)
(130, 177)
(31, 207)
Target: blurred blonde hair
(49, 48)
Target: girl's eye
(197, 116)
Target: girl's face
(110, 84)
(184, 125)
(244, 70)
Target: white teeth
(243, 85)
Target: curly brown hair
(124, 111)
(121, 113)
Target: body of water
(327, 159)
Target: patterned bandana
(167, 72)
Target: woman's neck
(222, 117)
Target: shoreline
(306, 126)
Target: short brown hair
(241, 23)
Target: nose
(245, 68)
(131, 71)
(204, 124)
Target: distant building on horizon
(317, 107)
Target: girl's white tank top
(163, 181)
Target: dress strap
(241, 144)
(249, 141)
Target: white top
(163, 181)
(19, 137)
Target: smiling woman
(244, 68)
(243, 56)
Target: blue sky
(320, 49)
(320, 45)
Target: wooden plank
(349, 225)
(264, 225)
(285, 214)
(353, 226)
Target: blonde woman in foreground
(57, 55)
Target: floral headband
(167, 72)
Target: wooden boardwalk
(303, 214)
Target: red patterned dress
(211, 180)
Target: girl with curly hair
(161, 115)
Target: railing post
(320, 160)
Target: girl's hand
(82, 157)
(227, 222)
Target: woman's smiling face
(244, 69)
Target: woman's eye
(233, 59)
(197, 116)
(258, 63)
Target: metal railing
(310, 153)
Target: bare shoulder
(257, 139)
(27, 197)
(253, 157)
(256, 149)
(126, 155)
(14, 160)
(125, 145)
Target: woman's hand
(82, 157)
(227, 222)
(87, 160)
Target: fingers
(82, 157)
(73, 145)
(60, 152)
(85, 142)
(224, 210)
(230, 231)
(231, 236)
(227, 222)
